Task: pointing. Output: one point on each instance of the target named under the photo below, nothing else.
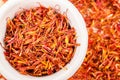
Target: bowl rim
(10, 3)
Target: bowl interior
(76, 21)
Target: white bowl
(76, 20)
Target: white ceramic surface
(76, 20)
